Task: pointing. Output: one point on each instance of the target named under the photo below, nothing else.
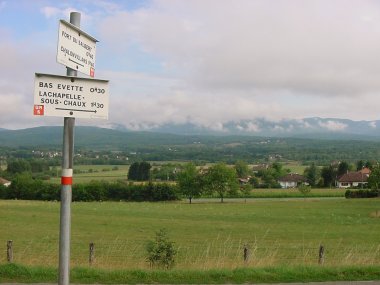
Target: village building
(354, 179)
(292, 180)
(4, 182)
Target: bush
(362, 193)
(161, 251)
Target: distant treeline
(24, 187)
(100, 146)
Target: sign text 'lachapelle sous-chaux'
(64, 96)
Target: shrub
(362, 193)
(161, 251)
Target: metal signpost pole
(66, 184)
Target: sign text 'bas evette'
(64, 96)
(76, 49)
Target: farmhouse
(4, 182)
(292, 180)
(354, 179)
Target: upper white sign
(76, 49)
(65, 96)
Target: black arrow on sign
(93, 111)
(76, 62)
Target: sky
(205, 62)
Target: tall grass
(207, 235)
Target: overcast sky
(202, 61)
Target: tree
(144, 171)
(271, 175)
(18, 166)
(189, 182)
(38, 166)
(328, 174)
(242, 169)
(374, 177)
(312, 174)
(165, 172)
(221, 179)
(359, 165)
(343, 168)
(139, 171)
(133, 171)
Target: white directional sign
(76, 49)
(64, 96)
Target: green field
(207, 235)
(96, 172)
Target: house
(354, 179)
(244, 181)
(4, 182)
(292, 180)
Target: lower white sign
(65, 96)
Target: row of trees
(26, 188)
(219, 179)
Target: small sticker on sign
(38, 110)
(92, 72)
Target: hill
(163, 147)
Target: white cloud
(186, 61)
(333, 125)
(305, 48)
(252, 127)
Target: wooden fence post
(91, 257)
(10, 251)
(246, 253)
(321, 254)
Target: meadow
(87, 173)
(207, 236)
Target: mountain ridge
(308, 127)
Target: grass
(295, 167)
(96, 172)
(207, 235)
(19, 273)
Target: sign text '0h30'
(76, 49)
(64, 96)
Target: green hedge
(31, 189)
(366, 193)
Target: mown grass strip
(19, 273)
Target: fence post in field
(10, 251)
(92, 253)
(321, 254)
(246, 253)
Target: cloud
(188, 61)
(372, 124)
(333, 125)
(293, 45)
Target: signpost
(70, 97)
(76, 49)
(65, 96)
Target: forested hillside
(159, 146)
